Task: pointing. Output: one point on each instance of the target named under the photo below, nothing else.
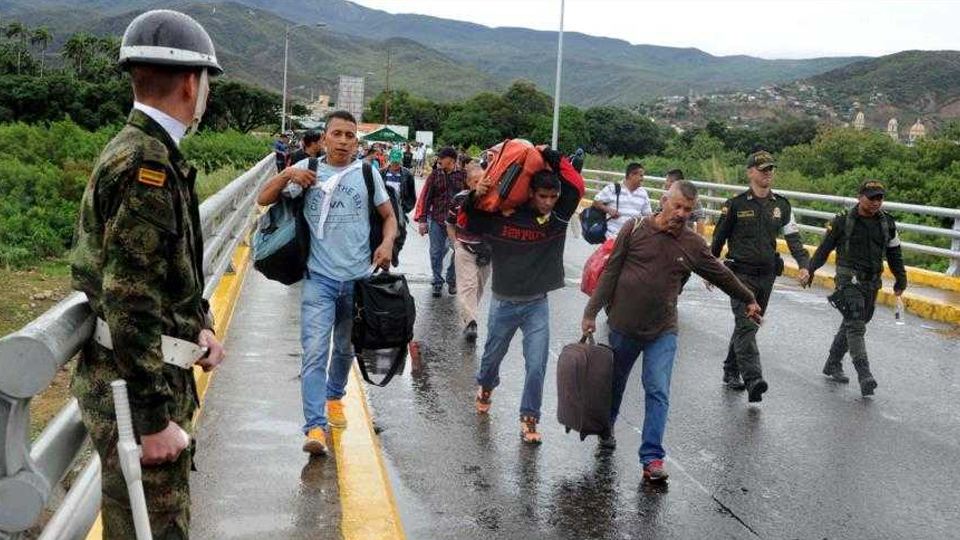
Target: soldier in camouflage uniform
(862, 236)
(138, 258)
(750, 223)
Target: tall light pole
(286, 51)
(386, 100)
(556, 89)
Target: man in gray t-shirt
(337, 212)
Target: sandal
(528, 430)
(483, 400)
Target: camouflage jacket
(138, 256)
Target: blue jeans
(326, 306)
(438, 250)
(533, 319)
(658, 355)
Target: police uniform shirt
(751, 225)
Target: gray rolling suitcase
(585, 387)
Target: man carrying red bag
(527, 257)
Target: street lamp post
(556, 91)
(286, 51)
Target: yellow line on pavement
(222, 304)
(368, 509)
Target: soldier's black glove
(552, 157)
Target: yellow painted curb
(928, 308)
(222, 304)
(368, 509)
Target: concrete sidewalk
(253, 480)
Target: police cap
(168, 38)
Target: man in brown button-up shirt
(641, 282)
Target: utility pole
(386, 101)
(286, 51)
(556, 90)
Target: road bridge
(813, 460)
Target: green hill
(453, 59)
(924, 82)
(250, 47)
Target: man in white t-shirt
(633, 200)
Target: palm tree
(41, 36)
(17, 30)
(78, 48)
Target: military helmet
(168, 38)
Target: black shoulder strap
(395, 367)
(312, 164)
(368, 180)
(616, 187)
(848, 224)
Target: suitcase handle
(588, 338)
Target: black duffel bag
(383, 317)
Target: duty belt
(175, 351)
(859, 276)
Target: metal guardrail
(711, 190)
(31, 358)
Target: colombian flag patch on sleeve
(151, 177)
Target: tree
(79, 48)
(41, 36)
(477, 121)
(617, 131)
(240, 106)
(573, 134)
(19, 31)
(524, 104)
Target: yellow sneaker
(316, 442)
(335, 416)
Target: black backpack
(593, 221)
(383, 316)
(376, 222)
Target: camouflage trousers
(167, 486)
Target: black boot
(755, 390)
(867, 383)
(733, 381)
(834, 372)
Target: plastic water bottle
(898, 314)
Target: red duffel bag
(510, 167)
(594, 267)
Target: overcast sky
(764, 28)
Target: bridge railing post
(954, 268)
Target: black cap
(168, 38)
(447, 152)
(872, 188)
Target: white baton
(129, 454)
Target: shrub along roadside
(45, 168)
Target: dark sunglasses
(876, 198)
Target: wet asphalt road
(813, 460)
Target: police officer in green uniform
(862, 237)
(139, 258)
(750, 223)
